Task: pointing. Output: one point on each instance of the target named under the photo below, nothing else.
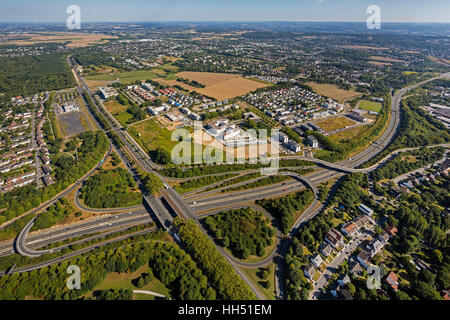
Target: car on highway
(195, 202)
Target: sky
(224, 10)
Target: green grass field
(153, 136)
(126, 77)
(116, 281)
(269, 293)
(370, 105)
(119, 111)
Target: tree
(426, 291)
(152, 183)
(161, 156)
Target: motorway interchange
(194, 205)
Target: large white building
(107, 92)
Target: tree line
(220, 273)
(284, 208)
(244, 232)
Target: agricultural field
(379, 63)
(385, 59)
(364, 47)
(370, 105)
(333, 124)
(221, 86)
(73, 39)
(334, 92)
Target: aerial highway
(40, 238)
(172, 204)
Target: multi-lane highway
(101, 224)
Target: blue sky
(225, 10)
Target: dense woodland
(27, 75)
(417, 128)
(406, 162)
(110, 189)
(199, 170)
(244, 232)
(171, 265)
(54, 214)
(285, 208)
(220, 273)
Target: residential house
(364, 258)
(392, 281)
(374, 247)
(391, 230)
(283, 138)
(365, 209)
(343, 280)
(45, 159)
(335, 238)
(349, 229)
(294, 146)
(309, 271)
(361, 221)
(356, 269)
(316, 260)
(326, 249)
(384, 237)
(445, 294)
(47, 169)
(48, 180)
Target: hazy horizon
(54, 11)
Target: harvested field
(332, 91)
(442, 61)
(378, 63)
(207, 78)
(386, 59)
(218, 85)
(365, 48)
(73, 39)
(95, 84)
